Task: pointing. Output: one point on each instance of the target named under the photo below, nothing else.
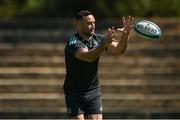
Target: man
(82, 52)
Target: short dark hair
(83, 13)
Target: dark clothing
(88, 104)
(81, 76)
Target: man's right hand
(109, 37)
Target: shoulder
(74, 40)
(74, 44)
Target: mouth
(92, 30)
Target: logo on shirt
(95, 44)
(72, 41)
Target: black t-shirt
(81, 76)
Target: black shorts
(87, 104)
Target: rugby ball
(147, 30)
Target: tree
(102, 8)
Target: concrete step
(105, 61)
(51, 53)
(119, 102)
(106, 115)
(114, 71)
(143, 101)
(102, 76)
(105, 82)
(67, 23)
(163, 86)
(141, 45)
(60, 35)
(32, 70)
(32, 49)
(160, 89)
(32, 61)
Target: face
(88, 25)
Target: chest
(91, 44)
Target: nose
(93, 25)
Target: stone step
(67, 24)
(54, 23)
(32, 50)
(60, 46)
(114, 71)
(104, 82)
(105, 61)
(144, 89)
(131, 102)
(146, 52)
(57, 32)
(50, 106)
(143, 86)
(139, 44)
(62, 25)
(31, 70)
(102, 76)
(106, 115)
(32, 61)
(142, 100)
(62, 38)
(108, 86)
(60, 34)
(36, 23)
(106, 96)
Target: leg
(79, 117)
(95, 117)
(74, 107)
(93, 105)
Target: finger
(128, 20)
(132, 20)
(114, 40)
(124, 32)
(113, 35)
(120, 29)
(123, 21)
(111, 29)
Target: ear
(78, 25)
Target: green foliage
(102, 8)
(140, 7)
(8, 8)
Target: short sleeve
(74, 45)
(100, 38)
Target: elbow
(90, 60)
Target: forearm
(122, 45)
(118, 47)
(91, 55)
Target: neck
(85, 37)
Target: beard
(89, 33)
